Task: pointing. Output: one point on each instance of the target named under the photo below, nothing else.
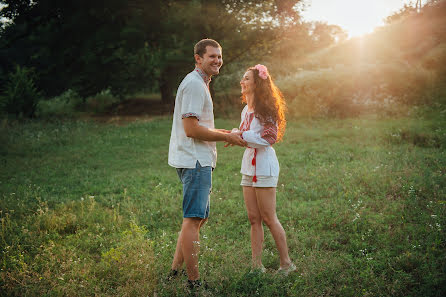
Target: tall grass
(90, 209)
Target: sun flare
(357, 17)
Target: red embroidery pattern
(206, 78)
(270, 133)
(244, 126)
(190, 114)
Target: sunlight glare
(357, 17)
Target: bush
(69, 102)
(343, 91)
(20, 95)
(101, 101)
(434, 60)
(65, 104)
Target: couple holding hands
(192, 151)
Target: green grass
(92, 209)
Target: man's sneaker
(196, 284)
(173, 274)
(286, 270)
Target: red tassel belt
(253, 162)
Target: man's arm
(194, 130)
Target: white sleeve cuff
(190, 114)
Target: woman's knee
(255, 220)
(270, 220)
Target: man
(192, 151)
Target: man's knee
(192, 222)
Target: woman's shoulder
(265, 122)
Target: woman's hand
(235, 131)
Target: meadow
(93, 209)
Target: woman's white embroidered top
(259, 158)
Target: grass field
(93, 209)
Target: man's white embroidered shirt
(193, 99)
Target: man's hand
(234, 138)
(193, 129)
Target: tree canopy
(135, 45)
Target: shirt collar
(206, 78)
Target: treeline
(66, 52)
(399, 65)
(139, 45)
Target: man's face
(211, 61)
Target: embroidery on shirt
(270, 133)
(245, 125)
(190, 114)
(204, 76)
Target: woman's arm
(254, 139)
(266, 138)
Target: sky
(357, 17)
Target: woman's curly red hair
(269, 103)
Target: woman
(262, 123)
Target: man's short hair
(200, 47)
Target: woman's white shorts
(262, 181)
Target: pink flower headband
(263, 72)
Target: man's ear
(197, 59)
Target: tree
(132, 45)
(84, 45)
(324, 34)
(244, 29)
(404, 12)
(19, 94)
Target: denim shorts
(197, 184)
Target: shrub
(434, 62)
(324, 92)
(343, 91)
(65, 104)
(20, 95)
(228, 104)
(101, 101)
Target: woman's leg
(266, 201)
(255, 219)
